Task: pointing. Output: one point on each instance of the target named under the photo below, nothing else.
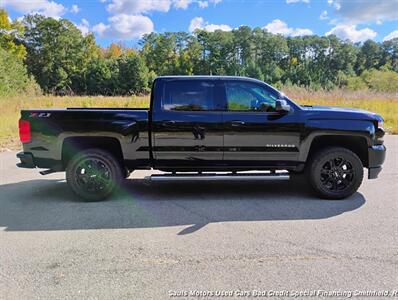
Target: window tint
(247, 96)
(188, 95)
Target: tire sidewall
(105, 157)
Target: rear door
(254, 132)
(187, 122)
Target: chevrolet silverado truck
(201, 124)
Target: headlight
(380, 124)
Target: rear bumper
(26, 160)
(29, 161)
(377, 156)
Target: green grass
(384, 104)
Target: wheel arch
(356, 143)
(73, 145)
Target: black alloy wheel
(336, 173)
(94, 174)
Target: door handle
(168, 123)
(237, 123)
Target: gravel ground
(153, 241)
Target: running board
(219, 177)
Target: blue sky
(126, 21)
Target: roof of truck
(216, 77)
(207, 77)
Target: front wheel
(336, 173)
(93, 174)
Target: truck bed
(52, 128)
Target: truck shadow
(50, 205)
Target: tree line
(57, 57)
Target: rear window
(188, 95)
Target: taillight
(24, 131)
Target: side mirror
(282, 106)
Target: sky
(126, 21)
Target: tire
(335, 173)
(94, 174)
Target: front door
(254, 132)
(187, 123)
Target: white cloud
(350, 32)
(182, 3)
(196, 23)
(145, 6)
(100, 28)
(214, 27)
(334, 3)
(365, 11)
(391, 36)
(279, 27)
(324, 15)
(43, 7)
(199, 23)
(137, 7)
(124, 27)
(203, 4)
(295, 1)
(129, 20)
(74, 9)
(84, 26)
(133, 7)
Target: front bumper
(376, 157)
(27, 160)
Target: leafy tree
(62, 60)
(390, 54)
(369, 56)
(10, 35)
(160, 53)
(382, 81)
(58, 53)
(14, 79)
(113, 51)
(102, 77)
(133, 75)
(254, 71)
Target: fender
(335, 127)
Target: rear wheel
(94, 174)
(336, 173)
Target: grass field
(383, 104)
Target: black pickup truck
(199, 124)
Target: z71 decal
(39, 115)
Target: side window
(247, 96)
(188, 95)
